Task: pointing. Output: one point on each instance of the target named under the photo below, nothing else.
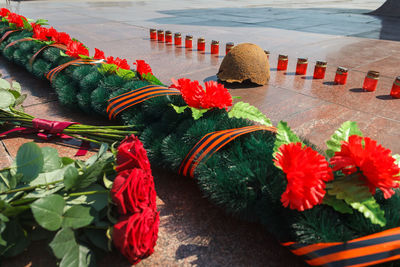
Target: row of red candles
(370, 82)
(201, 42)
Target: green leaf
(71, 178)
(356, 194)
(14, 211)
(98, 238)
(284, 136)
(397, 158)
(20, 100)
(84, 57)
(198, 113)
(97, 201)
(126, 74)
(77, 217)
(4, 84)
(346, 130)
(48, 177)
(337, 204)
(178, 109)
(16, 86)
(48, 212)
(29, 161)
(6, 98)
(5, 180)
(27, 25)
(63, 241)
(247, 111)
(62, 53)
(78, 256)
(151, 78)
(16, 239)
(66, 161)
(107, 183)
(41, 22)
(15, 94)
(51, 159)
(371, 210)
(107, 68)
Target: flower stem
(88, 193)
(29, 188)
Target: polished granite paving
(193, 232)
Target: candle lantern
(201, 44)
(178, 38)
(282, 62)
(395, 93)
(168, 37)
(371, 81)
(320, 69)
(215, 47)
(341, 75)
(301, 68)
(228, 47)
(267, 53)
(160, 35)
(189, 41)
(153, 34)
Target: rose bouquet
(80, 207)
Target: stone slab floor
(193, 232)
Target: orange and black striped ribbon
(33, 58)
(364, 251)
(52, 73)
(131, 98)
(211, 143)
(7, 34)
(18, 41)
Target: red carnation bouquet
(357, 168)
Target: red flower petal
(306, 173)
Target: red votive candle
(168, 37)
(371, 81)
(153, 34)
(201, 44)
(282, 62)
(160, 35)
(178, 38)
(395, 93)
(341, 75)
(267, 53)
(301, 68)
(319, 70)
(229, 47)
(188, 41)
(214, 47)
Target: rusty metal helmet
(245, 62)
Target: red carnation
(131, 154)
(133, 191)
(142, 67)
(62, 38)
(136, 236)
(374, 164)
(98, 54)
(52, 33)
(16, 19)
(215, 95)
(306, 173)
(76, 48)
(4, 12)
(39, 33)
(121, 63)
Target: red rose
(98, 54)
(142, 67)
(76, 48)
(131, 154)
(136, 236)
(133, 191)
